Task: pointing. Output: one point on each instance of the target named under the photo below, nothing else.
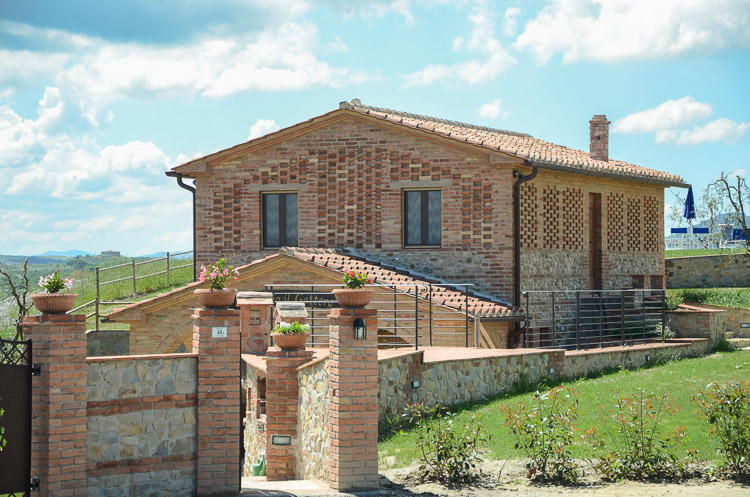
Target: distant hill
(33, 259)
(67, 253)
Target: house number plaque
(218, 332)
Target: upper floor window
(422, 218)
(279, 220)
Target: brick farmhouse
(437, 200)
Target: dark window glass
(422, 218)
(279, 220)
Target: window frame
(424, 227)
(282, 218)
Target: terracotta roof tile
(518, 144)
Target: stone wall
(454, 381)
(312, 422)
(254, 436)
(107, 343)
(141, 427)
(708, 271)
(692, 321)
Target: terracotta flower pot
(353, 297)
(54, 303)
(216, 299)
(290, 341)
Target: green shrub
(544, 429)
(449, 449)
(727, 409)
(633, 441)
(674, 301)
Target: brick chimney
(599, 146)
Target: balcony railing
(584, 319)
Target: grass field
(682, 379)
(687, 253)
(725, 297)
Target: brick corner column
(58, 440)
(353, 401)
(282, 402)
(216, 340)
(255, 317)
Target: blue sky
(98, 99)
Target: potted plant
(52, 301)
(217, 296)
(355, 294)
(290, 336)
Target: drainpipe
(191, 189)
(517, 228)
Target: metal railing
(408, 316)
(584, 319)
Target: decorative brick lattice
(650, 224)
(571, 211)
(551, 204)
(615, 222)
(529, 238)
(635, 226)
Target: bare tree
(18, 292)
(734, 198)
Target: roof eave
(554, 166)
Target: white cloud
(262, 127)
(483, 41)
(510, 20)
(721, 129)
(635, 29)
(742, 173)
(669, 115)
(492, 110)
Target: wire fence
(113, 285)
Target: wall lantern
(415, 383)
(281, 440)
(360, 331)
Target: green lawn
(688, 253)
(725, 297)
(680, 378)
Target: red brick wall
(350, 177)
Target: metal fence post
(526, 323)
(601, 319)
(416, 318)
(466, 309)
(312, 316)
(167, 268)
(622, 316)
(554, 331)
(134, 280)
(643, 315)
(81, 287)
(663, 315)
(96, 302)
(430, 297)
(578, 320)
(395, 319)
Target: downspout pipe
(520, 179)
(191, 189)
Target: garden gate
(15, 417)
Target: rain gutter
(191, 189)
(517, 228)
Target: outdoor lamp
(360, 331)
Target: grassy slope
(680, 378)
(688, 253)
(725, 297)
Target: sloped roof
(340, 262)
(544, 154)
(518, 144)
(404, 281)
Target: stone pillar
(353, 404)
(282, 399)
(255, 318)
(58, 440)
(216, 340)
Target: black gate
(15, 417)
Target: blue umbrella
(689, 212)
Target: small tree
(18, 293)
(734, 198)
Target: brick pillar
(58, 440)
(282, 398)
(353, 404)
(255, 318)
(216, 340)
